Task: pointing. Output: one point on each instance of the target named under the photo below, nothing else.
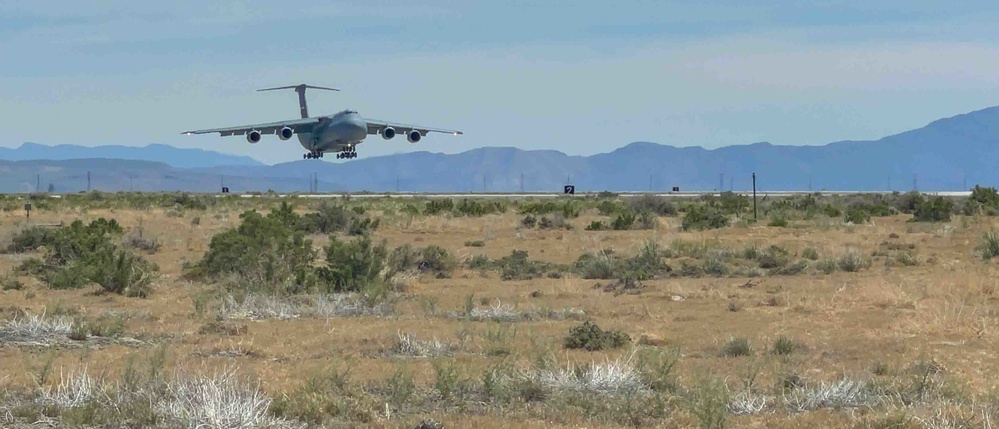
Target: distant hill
(948, 154)
(174, 157)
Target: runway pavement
(585, 195)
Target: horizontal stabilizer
(300, 89)
(296, 87)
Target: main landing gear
(347, 153)
(312, 155)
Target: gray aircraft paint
(340, 132)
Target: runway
(368, 195)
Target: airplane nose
(358, 128)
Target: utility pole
(396, 183)
(650, 183)
(88, 181)
(731, 183)
(889, 183)
(915, 177)
(721, 183)
(964, 184)
(522, 183)
(755, 217)
(38, 183)
(809, 183)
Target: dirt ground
(888, 315)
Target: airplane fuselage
(340, 132)
(336, 132)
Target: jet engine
(414, 136)
(285, 133)
(388, 133)
(253, 136)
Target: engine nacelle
(285, 133)
(414, 136)
(388, 133)
(253, 136)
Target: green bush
(827, 266)
(608, 207)
(80, 254)
(600, 266)
(11, 283)
(437, 260)
(327, 219)
(596, 226)
(810, 253)
(990, 245)
(623, 221)
(479, 262)
(264, 252)
(736, 347)
(831, 211)
(715, 267)
(933, 210)
(590, 337)
(702, 217)
(517, 266)
(570, 209)
(122, 273)
(353, 266)
(657, 205)
(29, 239)
(907, 259)
(187, 202)
(728, 202)
(474, 208)
(908, 202)
(784, 346)
(554, 221)
(982, 201)
(647, 220)
(857, 214)
(361, 226)
(789, 270)
(436, 207)
(647, 264)
(778, 221)
(772, 257)
(852, 262)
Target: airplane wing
(299, 125)
(375, 126)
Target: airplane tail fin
(300, 89)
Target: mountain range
(948, 154)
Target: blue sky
(581, 77)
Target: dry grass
(866, 311)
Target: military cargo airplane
(340, 132)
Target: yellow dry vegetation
(874, 325)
